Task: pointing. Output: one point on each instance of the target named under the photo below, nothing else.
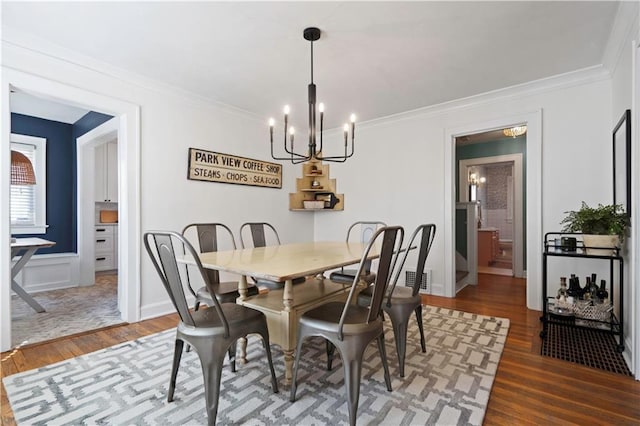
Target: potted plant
(602, 226)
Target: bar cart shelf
(595, 317)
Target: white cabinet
(106, 176)
(106, 243)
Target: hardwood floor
(528, 389)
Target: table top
(287, 261)
(32, 242)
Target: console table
(28, 246)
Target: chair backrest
(208, 236)
(363, 231)
(261, 233)
(427, 234)
(161, 247)
(391, 237)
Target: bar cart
(602, 318)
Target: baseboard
(46, 272)
(159, 309)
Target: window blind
(23, 197)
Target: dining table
(284, 263)
(25, 248)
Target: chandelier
(315, 150)
(515, 131)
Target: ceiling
(374, 58)
(34, 106)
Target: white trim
(53, 271)
(634, 267)
(129, 186)
(533, 120)
(625, 21)
(518, 246)
(85, 157)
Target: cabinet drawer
(104, 230)
(105, 262)
(104, 243)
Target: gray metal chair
(349, 327)
(262, 234)
(212, 331)
(366, 230)
(401, 301)
(208, 236)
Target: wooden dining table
(284, 263)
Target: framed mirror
(622, 162)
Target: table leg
(15, 270)
(288, 365)
(242, 289)
(287, 295)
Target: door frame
(533, 213)
(85, 159)
(516, 159)
(128, 186)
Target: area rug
(592, 348)
(127, 384)
(68, 311)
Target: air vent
(425, 282)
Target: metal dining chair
(262, 234)
(401, 301)
(209, 236)
(349, 327)
(366, 230)
(212, 331)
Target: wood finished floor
(528, 389)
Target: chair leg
(420, 327)
(385, 364)
(267, 349)
(331, 350)
(177, 355)
(296, 362)
(212, 361)
(352, 371)
(400, 334)
(232, 356)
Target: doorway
(53, 278)
(497, 184)
(128, 116)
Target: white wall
(171, 123)
(622, 60)
(397, 172)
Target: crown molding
(561, 81)
(625, 28)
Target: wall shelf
(306, 192)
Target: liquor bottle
(593, 289)
(562, 291)
(603, 294)
(573, 292)
(586, 290)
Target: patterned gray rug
(127, 384)
(68, 311)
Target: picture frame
(622, 162)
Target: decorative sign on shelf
(224, 168)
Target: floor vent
(425, 283)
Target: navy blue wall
(61, 174)
(61, 167)
(89, 121)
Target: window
(29, 203)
